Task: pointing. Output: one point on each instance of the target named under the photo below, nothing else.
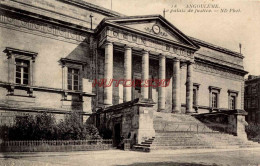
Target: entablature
(121, 37)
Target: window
(72, 74)
(214, 100)
(22, 71)
(214, 96)
(20, 66)
(73, 79)
(232, 99)
(195, 93)
(194, 96)
(232, 102)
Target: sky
(239, 22)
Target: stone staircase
(180, 131)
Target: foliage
(253, 130)
(92, 132)
(106, 133)
(44, 127)
(23, 129)
(72, 128)
(4, 132)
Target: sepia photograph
(130, 82)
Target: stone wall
(135, 119)
(51, 45)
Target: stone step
(141, 148)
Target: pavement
(195, 157)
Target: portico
(159, 41)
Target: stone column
(162, 71)
(108, 74)
(176, 89)
(189, 88)
(145, 75)
(128, 74)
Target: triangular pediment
(155, 26)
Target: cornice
(92, 7)
(105, 24)
(46, 89)
(153, 17)
(38, 110)
(10, 50)
(242, 72)
(26, 14)
(217, 48)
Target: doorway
(117, 134)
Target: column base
(189, 113)
(160, 110)
(176, 112)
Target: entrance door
(117, 136)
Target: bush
(106, 133)
(4, 130)
(24, 128)
(72, 128)
(253, 130)
(44, 127)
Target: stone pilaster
(128, 73)
(11, 67)
(162, 73)
(189, 88)
(145, 75)
(108, 74)
(176, 87)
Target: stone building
(53, 51)
(252, 99)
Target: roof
(90, 6)
(217, 48)
(115, 15)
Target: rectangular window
(232, 102)
(214, 100)
(73, 79)
(194, 97)
(22, 71)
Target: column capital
(108, 43)
(162, 56)
(176, 59)
(190, 62)
(127, 47)
(145, 51)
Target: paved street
(204, 157)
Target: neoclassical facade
(53, 52)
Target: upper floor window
(232, 102)
(73, 79)
(195, 94)
(214, 96)
(20, 66)
(22, 71)
(72, 74)
(232, 99)
(214, 100)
